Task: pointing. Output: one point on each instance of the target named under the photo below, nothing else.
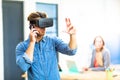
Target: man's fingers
(68, 23)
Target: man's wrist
(32, 43)
(73, 34)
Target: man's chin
(38, 35)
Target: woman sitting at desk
(100, 56)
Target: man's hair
(36, 16)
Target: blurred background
(90, 17)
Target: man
(37, 54)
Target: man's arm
(72, 32)
(22, 59)
(30, 49)
(73, 43)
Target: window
(51, 10)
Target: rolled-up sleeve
(27, 59)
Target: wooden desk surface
(89, 75)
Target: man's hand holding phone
(33, 35)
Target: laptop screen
(72, 66)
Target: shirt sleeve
(22, 59)
(98, 68)
(63, 47)
(106, 59)
(92, 59)
(27, 59)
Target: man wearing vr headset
(37, 54)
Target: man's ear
(31, 26)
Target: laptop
(72, 66)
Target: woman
(100, 56)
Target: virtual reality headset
(42, 22)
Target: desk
(88, 75)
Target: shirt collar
(43, 39)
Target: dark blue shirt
(44, 65)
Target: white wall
(1, 44)
(91, 18)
